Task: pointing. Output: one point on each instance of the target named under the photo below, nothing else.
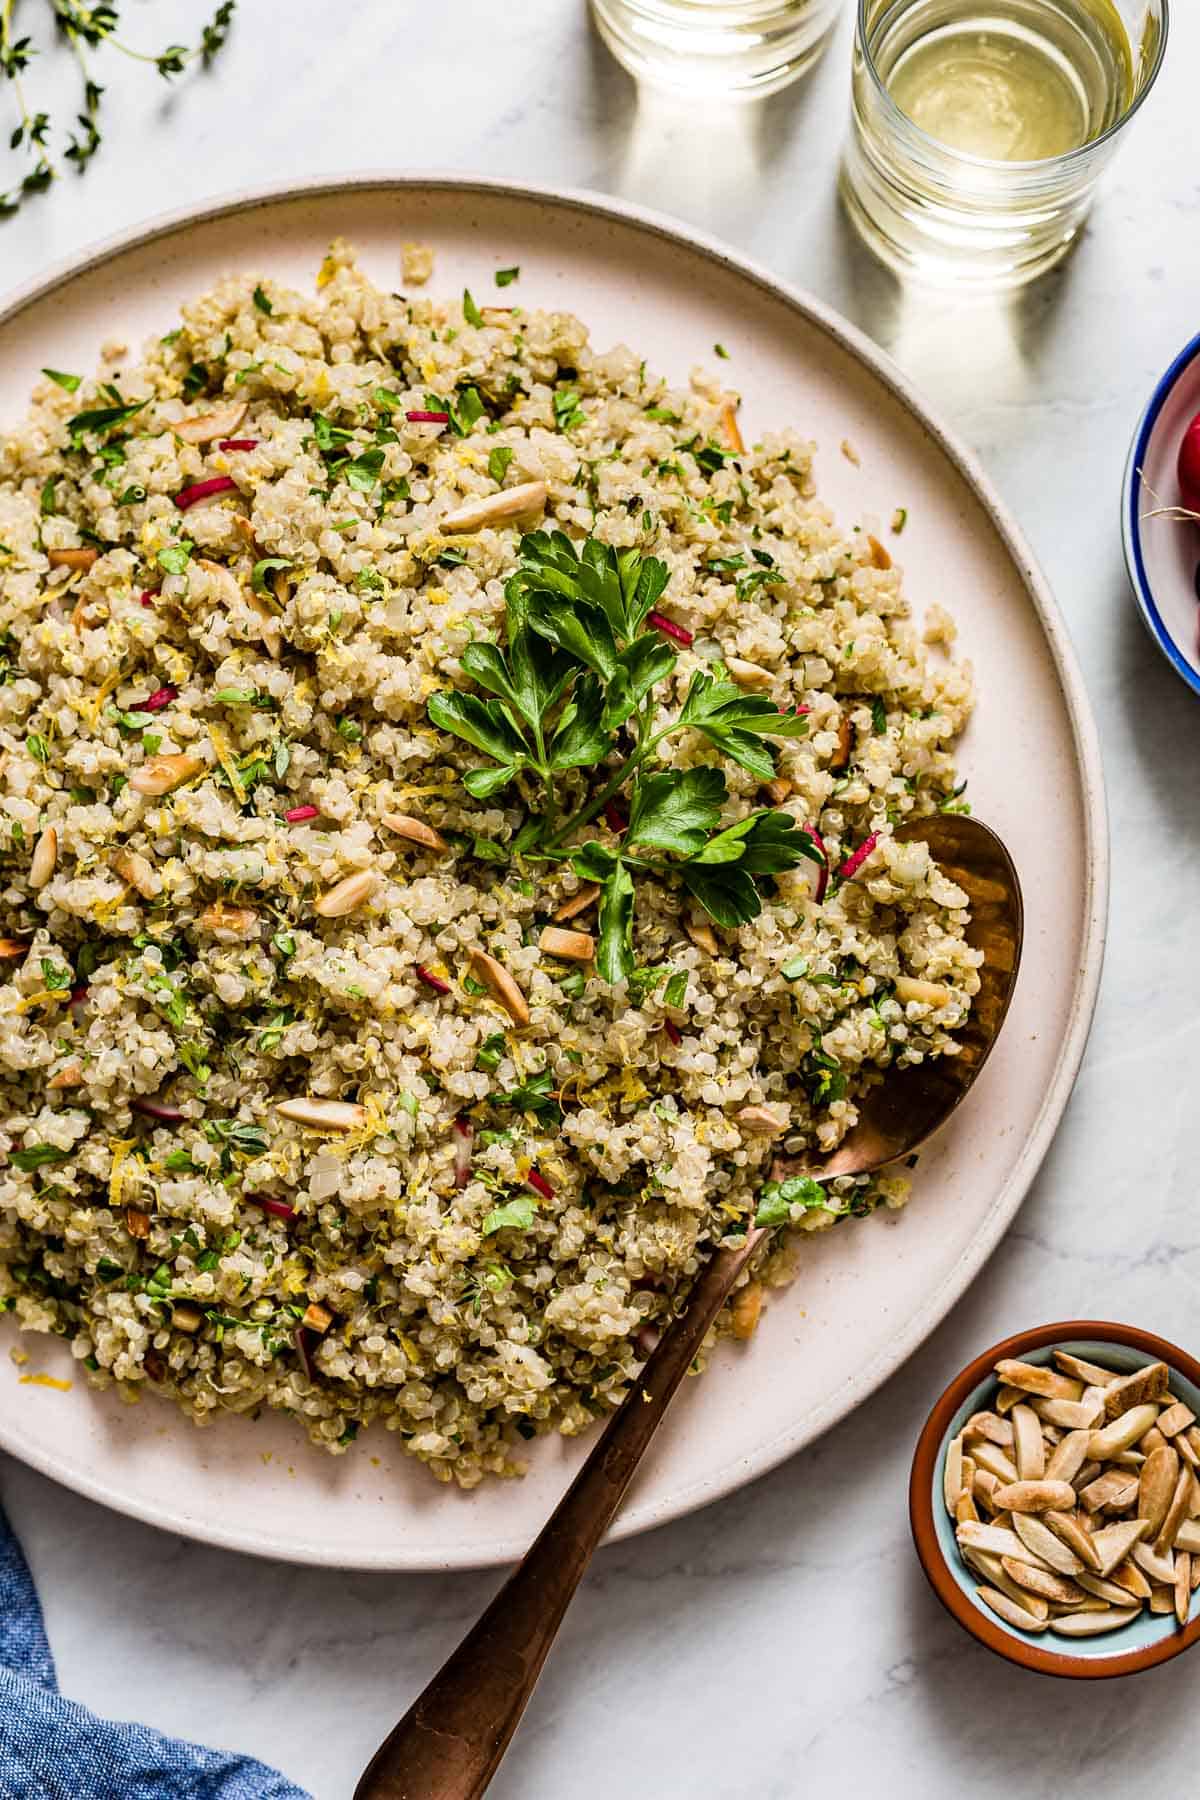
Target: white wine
(1013, 81)
(981, 127)
(727, 49)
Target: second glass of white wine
(722, 49)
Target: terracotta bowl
(1146, 1640)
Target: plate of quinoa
(465, 654)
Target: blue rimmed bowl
(1162, 554)
(1150, 1638)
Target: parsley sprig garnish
(84, 28)
(579, 675)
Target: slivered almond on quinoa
(500, 985)
(415, 830)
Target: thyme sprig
(577, 684)
(83, 28)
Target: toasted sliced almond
(1091, 1624)
(1007, 1397)
(83, 559)
(1130, 1580)
(924, 993)
(965, 1510)
(1124, 1431)
(316, 1318)
(45, 857)
(69, 1076)
(236, 921)
(1183, 1586)
(990, 1457)
(1195, 1571)
(1090, 1373)
(762, 1121)
(570, 946)
(1074, 1538)
(880, 558)
(1029, 1447)
(1071, 1415)
(1114, 1543)
(841, 756)
(186, 1317)
(1009, 1611)
(952, 1474)
(1158, 1568)
(994, 1538)
(778, 790)
(1162, 1600)
(992, 1569)
(1032, 1378)
(983, 1488)
(1128, 1459)
(1188, 1537)
(1186, 1448)
(1148, 1383)
(1177, 1512)
(1156, 1486)
(749, 675)
(989, 1425)
(494, 509)
(576, 903)
(162, 774)
(729, 428)
(415, 830)
(1116, 1487)
(14, 949)
(1035, 1496)
(1153, 1440)
(745, 1308)
(323, 1115)
(140, 874)
(137, 1222)
(1176, 1418)
(500, 984)
(701, 933)
(222, 422)
(347, 895)
(1069, 1456)
(1036, 1580)
(1104, 1589)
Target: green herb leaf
(36, 1156)
(37, 747)
(498, 461)
(725, 892)
(485, 724)
(506, 277)
(269, 565)
(516, 1215)
(614, 952)
(261, 301)
(676, 811)
(471, 312)
(102, 419)
(175, 557)
(581, 738)
(68, 383)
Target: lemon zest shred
(46, 1381)
(120, 1148)
(224, 756)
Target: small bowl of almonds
(1055, 1499)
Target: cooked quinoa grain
(310, 1097)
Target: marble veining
(783, 1641)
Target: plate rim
(1131, 524)
(868, 1378)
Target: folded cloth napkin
(55, 1749)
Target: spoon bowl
(450, 1742)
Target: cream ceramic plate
(868, 1293)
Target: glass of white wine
(980, 128)
(722, 49)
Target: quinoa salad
(448, 777)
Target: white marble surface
(784, 1641)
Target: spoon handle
(449, 1743)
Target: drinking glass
(730, 49)
(938, 213)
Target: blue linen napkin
(55, 1749)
